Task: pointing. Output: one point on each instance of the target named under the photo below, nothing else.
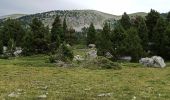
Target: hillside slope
(76, 19)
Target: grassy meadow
(33, 76)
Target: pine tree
(117, 38)
(91, 34)
(151, 20)
(131, 45)
(125, 21)
(1, 47)
(39, 42)
(167, 45)
(168, 17)
(64, 27)
(28, 43)
(12, 29)
(56, 31)
(159, 37)
(143, 33)
(103, 41)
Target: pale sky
(116, 7)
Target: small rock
(104, 94)
(42, 96)
(88, 89)
(13, 94)
(91, 45)
(134, 98)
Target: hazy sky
(116, 7)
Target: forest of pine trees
(137, 37)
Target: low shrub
(101, 63)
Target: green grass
(35, 76)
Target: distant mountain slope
(13, 16)
(76, 19)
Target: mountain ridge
(76, 19)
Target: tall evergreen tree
(1, 47)
(91, 34)
(117, 38)
(159, 38)
(56, 31)
(39, 43)
(168, 17)
(64, 27)
(151, 20)
(28, 43)
(125, 21)
(12, 29)
(143, 33)
(167, 47)
(103, 41)
(131, 45)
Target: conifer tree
(57, 32)
(125, 21)
(131, 45)
(159, 37)
(143, 33)
(91, 34)
(151, 20)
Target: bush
(107, 64)
(52, 59)
(63, 53)
(101, 63)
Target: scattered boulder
(18, 51)
(92, 54)
(126, 58)
(13, 95)
(155, 61)
(158, 61)
(92, 46)
(78, 58)
(104, 94)
(42, 96)
(108, 55)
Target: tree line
(136, 37)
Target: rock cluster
(155, 61)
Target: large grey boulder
(158, 61)
(155, 61)
(18, 51)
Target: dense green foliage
(125, 21)
(130, 36)
(151, 20)
(104, 41)
(91, 34)
(12, 29)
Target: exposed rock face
(154, 61)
